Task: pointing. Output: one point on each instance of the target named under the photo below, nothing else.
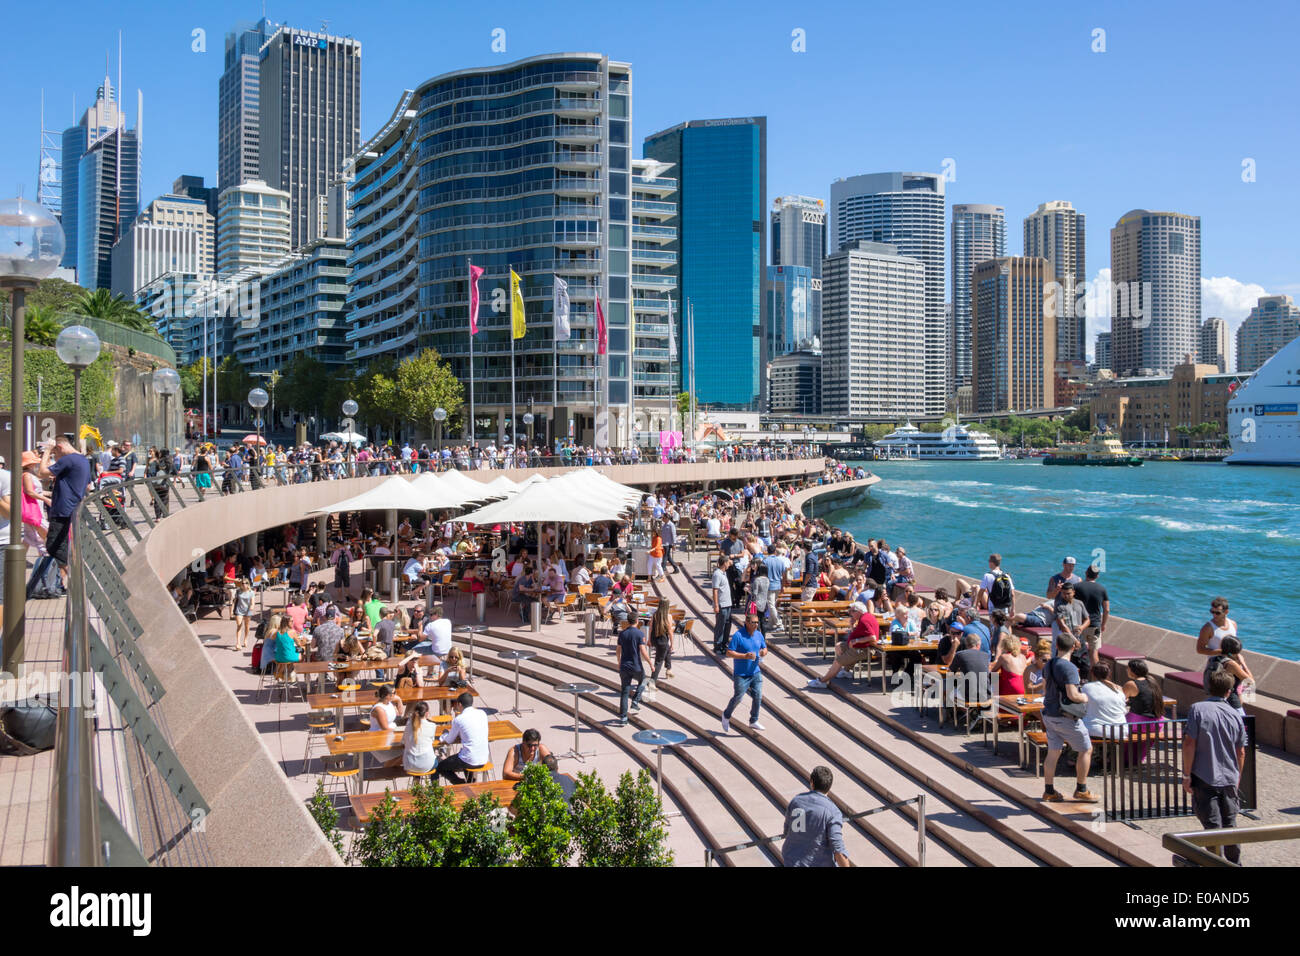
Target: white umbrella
(436, 493)
(470, 489)
(548, 501)
(395, 494)
(351, 438)
(501, 486)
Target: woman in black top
(1146, 705)
(661, 639)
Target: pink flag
(474, 273)
(602, 335)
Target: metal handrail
(919, 800)
(74, 795)
(1192, 845)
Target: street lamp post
(77, 347)
(166, 382)
(528, 420)
(31, 246)
(439, 416)
(258, 399)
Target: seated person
(602, 583)
(453, 670)
(409, 673)
(286, 648)
(530, 750)
(469, 728)
(384, 716)
(418, 752)
(1034, 672)
(524, 593)
(437, 635)
(1107, 714)
(413, 571)
(579, 576)
(553, 591)
(863, 636)
(969, 670)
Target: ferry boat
(1102, 448)
(1263, 417)
(955, 443)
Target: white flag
(561, 310)
(672, 334)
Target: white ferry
(955, 443)
(1264, 414)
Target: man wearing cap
(1056, 580)
(863, 636)
(71, 473)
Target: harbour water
(1168, 535)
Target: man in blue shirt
(813, 825)
(1061, 685)
(71, 473)
(973, 625)
(746, 648)
(632, 656)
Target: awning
(394, 494)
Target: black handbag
(32, 722)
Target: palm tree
(41, 327)
(103, 304)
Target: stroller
(113, 498)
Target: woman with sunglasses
(1216, 628)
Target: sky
(1188, 106)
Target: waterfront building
(309, 116)
(656, 350)
(253, 227)
(1272, 323)
(1102, 359)
(1213, 343)
(1155, 266)
(873, 324)
(721, 168)
(1057, 232)
(238, 93)
(108, 195)
(302, 311)
(524, 165)
(788, 290)
(905, 210)
(102, 117)
(1150, 409)
(1013, 338)
(979, 233)
(795, 382)
(799, 239)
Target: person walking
(1064, 705)
(71, 473)
(632, 656)
(747, 648)
(1214, 753)
(661, 638)
(813, 826)
(720, 588)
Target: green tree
(41, 325)
(103, 304)
(541, 834)
(234, 383)
(641, 827)
(321, 808)
(192, 377)
(431, 821)
(386, 839)
(684, 405)
(425, 383)
(481, 836)
(303, 385)
(593, 821)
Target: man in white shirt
(469, 728)
(437, 635)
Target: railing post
(920, 830)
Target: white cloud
(1228, 298)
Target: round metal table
(522, 654)
(660, 739)
(471, 630)
(577, 688)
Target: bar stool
(319, 726)
(337, 770)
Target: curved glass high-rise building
(525, 165)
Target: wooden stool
(487, 770)
(319, 726)
(340, 772)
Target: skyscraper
(656, 351)
(108, 195)
(873, 332)
(238, 151)
(446, 180)
(722, 175)
(1013, 341)
(309, 117)
(788, 291)
(1213, 346)
(1057, 232)
(979, 232)
(799, 239)
(192, 187)
(907, 211)
(252, 227)
(1155, 273)
(1272, 323)
(1103, 358)
(102, 118)
(171, 234)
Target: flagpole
(469, 268)
(514, 429)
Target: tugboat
(1102, 448)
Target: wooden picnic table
(321, 668)
(363, 804)
(885, 648)
(362, 742)
(340, 700)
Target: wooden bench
(363, 805)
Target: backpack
(1000, 593)
(257, 654)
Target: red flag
(602, 334)
(474, 273)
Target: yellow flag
(89, 431)
(517, 325)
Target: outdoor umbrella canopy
(601, 483)
(501, 486)
(468, 488)
(395, 494)
(436, 493)
(254, 440)
(548, 501)
(351, 438)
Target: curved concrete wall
(827, 498)
(256, 820)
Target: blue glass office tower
(789, 309)
(722, 173)
(101, 118)
(524, 165)
(108, 198)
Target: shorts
(1092, 636)
(848, 656)
(1066, 730)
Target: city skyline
(1246, 254)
